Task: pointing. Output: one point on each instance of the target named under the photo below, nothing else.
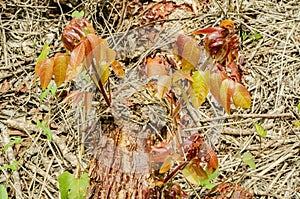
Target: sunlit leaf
(65, 180)
(200, 87)
(193, 172)
(166, 165)
(46, 71)
(248, 159)
(207, 182)
(94, 41)
(228, 24)
(118, 68)
(296, 123)
(3, 192)
(77, 55)
(226, 91)
(298, 107)
(156, 66)
(61, 61)
(44, 53)
(260, 130)
(78, 187)
(182, 74)
(78, 14)
(241, 96)
(163, 85)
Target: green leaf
(78, 14)
(44, 53)
(3, 192)
(46, 129)
(244, 35)
(200, 87)
(16, 140)
(64, 181)
(71, 187)
(45, 93)
(13, 166)
(78, 187)
(256, 35)
(298, 107)
(207, 182)
(248, 159)
(260, 130)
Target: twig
(11, 157)
(246, 116)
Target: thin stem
(100, 85)
(179, 167)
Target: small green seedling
(15, 140)
(249, 160)
(71, 187)
(260, 130)
(3, 192)
(13, 166)
(78, 14)
(45, 128)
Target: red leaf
(241, 96)
(46, 71)
(226, 91)
(61, 61)
(77, 55)
(212, 158)
(208, 30)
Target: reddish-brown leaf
(94, 41)
(118, 69)
(46, 71)
(226, 91)
(190, 55)
(77, 55)
(61, 62)
(157, 66)
(208, 30)
(160, 152)
(216, 79)
(212, 158)
(241, 96)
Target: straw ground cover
(271, 52)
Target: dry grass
(272, 61)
